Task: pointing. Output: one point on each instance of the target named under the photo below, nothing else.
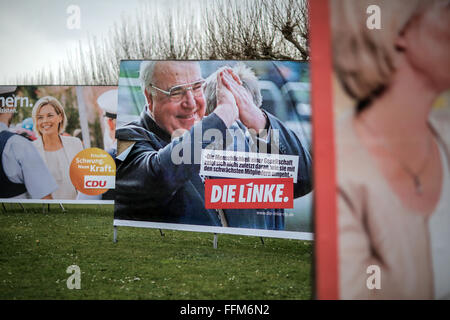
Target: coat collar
(150, 124)
(142, 129)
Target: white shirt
(59, 164)
(23, 164)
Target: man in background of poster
(250, 82)
(23, 173)
(108, 102)
(149, 186)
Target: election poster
(57, 144)
(383, 207)
(215, 146)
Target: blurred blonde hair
(363, 59)
(58, 109)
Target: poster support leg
(262, 240)
(4, 208)
(62, 208)
(23, 208)
(216, 238)
(161, 232)
(115, 235)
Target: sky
(35, 36)
(34, 33)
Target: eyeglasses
(176, 93)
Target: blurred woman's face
(48, 120)
(427, 43)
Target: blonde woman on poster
(393, 157)
(56, 149)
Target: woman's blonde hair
(58, 109)
(363, 58)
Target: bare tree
(202, 29)
(267, 29)
(291, 19)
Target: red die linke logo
(266, 193)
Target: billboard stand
(48, 207)
(216, 238)
(4, 208)
(115, 234)
(23, 208)
(306, 236)
(262, 240)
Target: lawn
(36, 248)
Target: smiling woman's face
(48, 121)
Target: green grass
(36, 248)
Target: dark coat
(150, 187)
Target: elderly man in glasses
(151, 186)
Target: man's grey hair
(146, 72)
(249, 82)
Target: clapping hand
(227, 108)
(250, 114)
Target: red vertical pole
(326, 263)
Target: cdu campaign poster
(57, 143)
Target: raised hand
(226, 109)
(250, 115)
